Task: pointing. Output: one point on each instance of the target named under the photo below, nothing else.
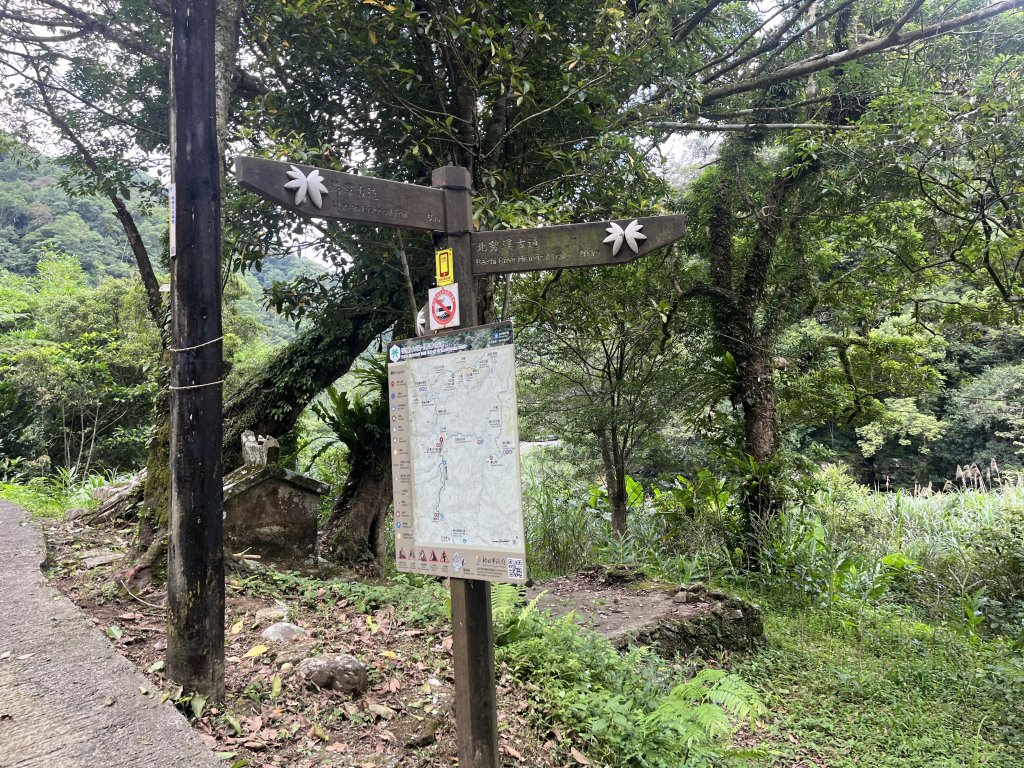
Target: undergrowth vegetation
(894, 622)
(626, 710)
(956, 558)
(55, 494)
(631, 709)
(863, 687)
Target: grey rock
(337, 673)
(380, 761)
(101, 558)
(683, 597)
(731, 624)
(696, 587)
(415, 732)
(271, 613)
(286, 660)
(282, 632)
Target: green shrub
(561, 529)
(931, 552)
(626, 710)
(53, 495)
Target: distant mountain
(35, 213)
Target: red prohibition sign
(443, 307)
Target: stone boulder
(271, 613)
(631, 611)
(283, 633)
(727, 624)
(335, 673)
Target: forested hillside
(37, 212)
(79, 358)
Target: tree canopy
(866, 187)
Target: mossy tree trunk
(352, 534)
(748, 310)
(269, 403)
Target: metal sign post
(446, 209)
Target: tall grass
(956, 557)
(55, 494)
(955, 549)
(561, 528)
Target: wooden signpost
(445, 208)
(345, 196)
(572, 245)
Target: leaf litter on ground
(270, 718)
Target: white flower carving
(631, 234)
(313, 185)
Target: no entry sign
(444, 307)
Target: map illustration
(455, 443)
(465, 440)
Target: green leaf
(198, 704)
(236, 726)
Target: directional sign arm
(342, 196)
(573, 245)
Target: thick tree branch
(106, 30)
(892, 40)
(738, 127)
(154, 301)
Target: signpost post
(445, 208)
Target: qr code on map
(516, 568)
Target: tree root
(120, 504)
(140, 574)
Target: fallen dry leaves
(269, 719)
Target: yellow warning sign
(444, 273)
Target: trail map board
(455, 462)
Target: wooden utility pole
(195, 558)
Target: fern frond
(737, 697)
(712, 719)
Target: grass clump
(952, 557)
(53, 495)
(419, 600)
